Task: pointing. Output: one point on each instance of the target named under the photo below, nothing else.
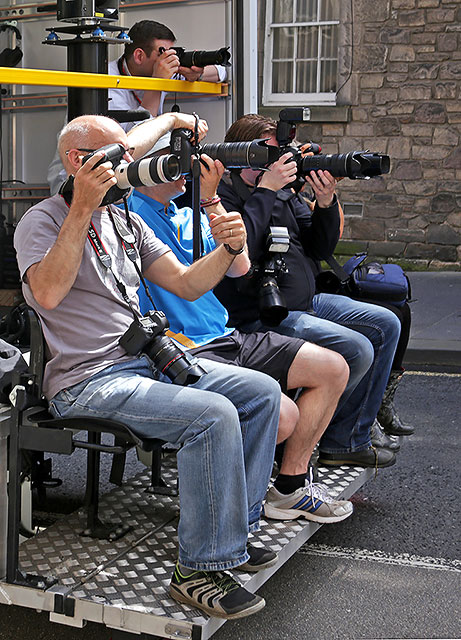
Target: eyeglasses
(129, 150)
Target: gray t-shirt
(83, 331)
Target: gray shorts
(268, 352)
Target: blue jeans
(366, 335)
(221, 483)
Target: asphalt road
(390, 571)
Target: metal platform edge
(142, 624)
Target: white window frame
(269, 98)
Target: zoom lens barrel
(148, 171)
(355, 165)
(203, 58)
(239, 155)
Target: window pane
(328, 76)
(282, 11)
(306, 77)
(306, 11)
(282, 77)
(329, 9)
(283, 43)
(329, 37)
(307, 42)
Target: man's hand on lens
(210, 176)
(192, 74)
(323, 184)
(166, 65)
(91, 185)
(280, 173)
(228, 228)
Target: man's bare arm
(145, 135)
(190, 282)
(52, 278)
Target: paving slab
(435, 337)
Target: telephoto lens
(203, 58)
(272, 305)
(356, 165)
(256, 154)
(148, 171)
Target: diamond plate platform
(124, 584)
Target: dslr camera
(147, 335)
(201, 58)
(147, 171)
(356, 165)
(261, 279)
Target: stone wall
(405, 100)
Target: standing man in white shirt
(144, 57)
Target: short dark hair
(142, 35)
(251, 127)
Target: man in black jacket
(364, 334)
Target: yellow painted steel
(9, 75)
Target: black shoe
(215, 592)
(370, 457)
(387, 415)
(381, 440)
(260, 558)
(396, 427)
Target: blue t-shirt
(204, 319)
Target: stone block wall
(404, 98)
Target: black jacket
(313, 237)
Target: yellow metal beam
(9, 75)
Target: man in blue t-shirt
(201, 326)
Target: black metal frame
(31, 426)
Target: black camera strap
(128, 239)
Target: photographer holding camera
(81, 265)
(201, 327)
(364, 334)
(151, 54)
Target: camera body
(147, 335)
(147, 171)
(356, 165)
(261, 281)
(256, 154)
(201, 58)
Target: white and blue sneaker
(311, 502)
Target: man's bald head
(88, 132)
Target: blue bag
(376, 281)
(366, 280)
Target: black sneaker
(260, 558)
(215, 592)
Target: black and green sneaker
(215, 592)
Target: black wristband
(234, 252)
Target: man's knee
(316, 366)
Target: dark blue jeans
(366, 335)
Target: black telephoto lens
(355, 165)
(272, 306)
(203, 58)
(239, 155)
(148, 171)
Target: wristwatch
(234, 252)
